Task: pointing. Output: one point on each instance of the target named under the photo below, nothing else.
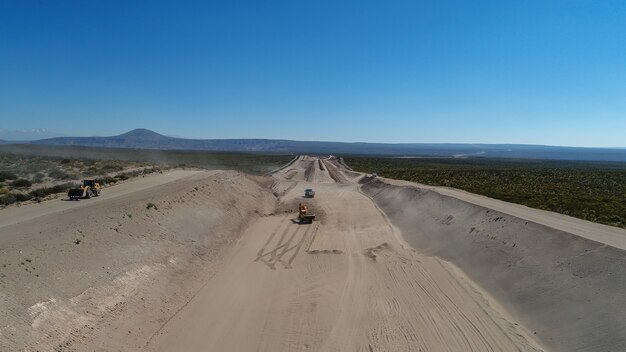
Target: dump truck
(309, 193)
(89, 188)
(304, 217)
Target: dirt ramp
(335, 173)
(568, 290)
(309, 169)
(106, 276)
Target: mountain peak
(142, 133)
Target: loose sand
(348, 282)
(571, 290)
(104, 274)
(221, 265)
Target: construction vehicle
(304, 217)
(309, 193)
(89, 188)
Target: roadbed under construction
(218, 263)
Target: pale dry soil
(222, 265)
(348, 282)
(104, 274)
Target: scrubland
(586, 190)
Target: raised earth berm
(571, 290)
(128, 263)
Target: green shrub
(7, 175)
(38, 177)
(57, 174)
(106, 179)
(21, 183)
(11, 198)
(111, 166)
(42, 192)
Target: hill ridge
(142, 138)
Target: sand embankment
(571, 290)
(108, 273)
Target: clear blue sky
(537, 72)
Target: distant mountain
(146, 139)
(139, 138)
(27, 135)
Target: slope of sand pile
(570, 290)
(107, 275)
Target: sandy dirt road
(347, 282)
(15, 215)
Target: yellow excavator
(89, 188)
(304, 217)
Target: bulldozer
(304, 217)
(89, 188)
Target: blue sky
(535, 72)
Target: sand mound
(373, 252)
(571, 290)
(309, 169)
(125, 263)
(335, 173)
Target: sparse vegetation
(34, 172)
(7, 198)
(151, 206)
(7, 175)
(21, 183)
(26, 172)
(57, 174)
(105, 160)
(13, 197)
(38, 177)
(42, 192)
(587, 190)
